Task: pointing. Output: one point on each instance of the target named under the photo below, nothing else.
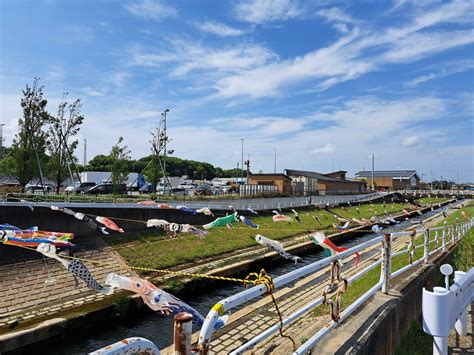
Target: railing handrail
(249, 294)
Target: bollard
(183, 330)
(426, 246)
(386, 263)
(461, 323)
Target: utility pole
(164, 153)
(332, 164)
(275, 162)
(373, 163)
(1, 139)
(431, 172)
(248, 168)
(85, 153)
(242, 162)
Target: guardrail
(441, 237)
(446, 307)
(437, 192)
(223, 204)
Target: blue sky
(321, 81)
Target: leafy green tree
(61, 141)
(119, 158)
(100, 163)
(27, 153)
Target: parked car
(203, 190)
(147, 188)
(104, 189)
(38, 189)
(187, 185)
(179, 191)
(80, 188)
(10, 187)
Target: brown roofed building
(391, 179)
(334, 183)
(281, 181)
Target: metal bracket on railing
(341, 287)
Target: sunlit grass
(154, 250)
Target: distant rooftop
(398, 174)
(315, 175)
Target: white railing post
(426, 246)
(443, 239)
(386, 262)
(461, 323)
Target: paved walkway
(40, 286)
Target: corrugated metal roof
(399, 174)
(315, 175)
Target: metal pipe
(244, 296)
(309, 344)
(386, 264)
(183, 330)
(426, 244)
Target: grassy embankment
(428, 200)
(463, 255)
(157, 251)
(417, 342)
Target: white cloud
(451, 69)
(220, 29)
(187, 56)
(263, 11)
(419, 45)
(335, 14)
(357, 52)
(327, 149)
(150, 9)
(410, 141)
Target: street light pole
(164, 154)
(242, 162)
(373, 163)
(1, 139)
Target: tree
(153, 169)
(27, 154)
(119, 158)
(61, 143)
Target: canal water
(159, 328)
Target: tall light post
(373, 164)
(1, 139)
(85, 153)
(164, 114)
(242, 162)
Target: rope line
(263, 278)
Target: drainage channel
(159, 328)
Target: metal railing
(454, 192)
(220, 204)
(440, 237)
